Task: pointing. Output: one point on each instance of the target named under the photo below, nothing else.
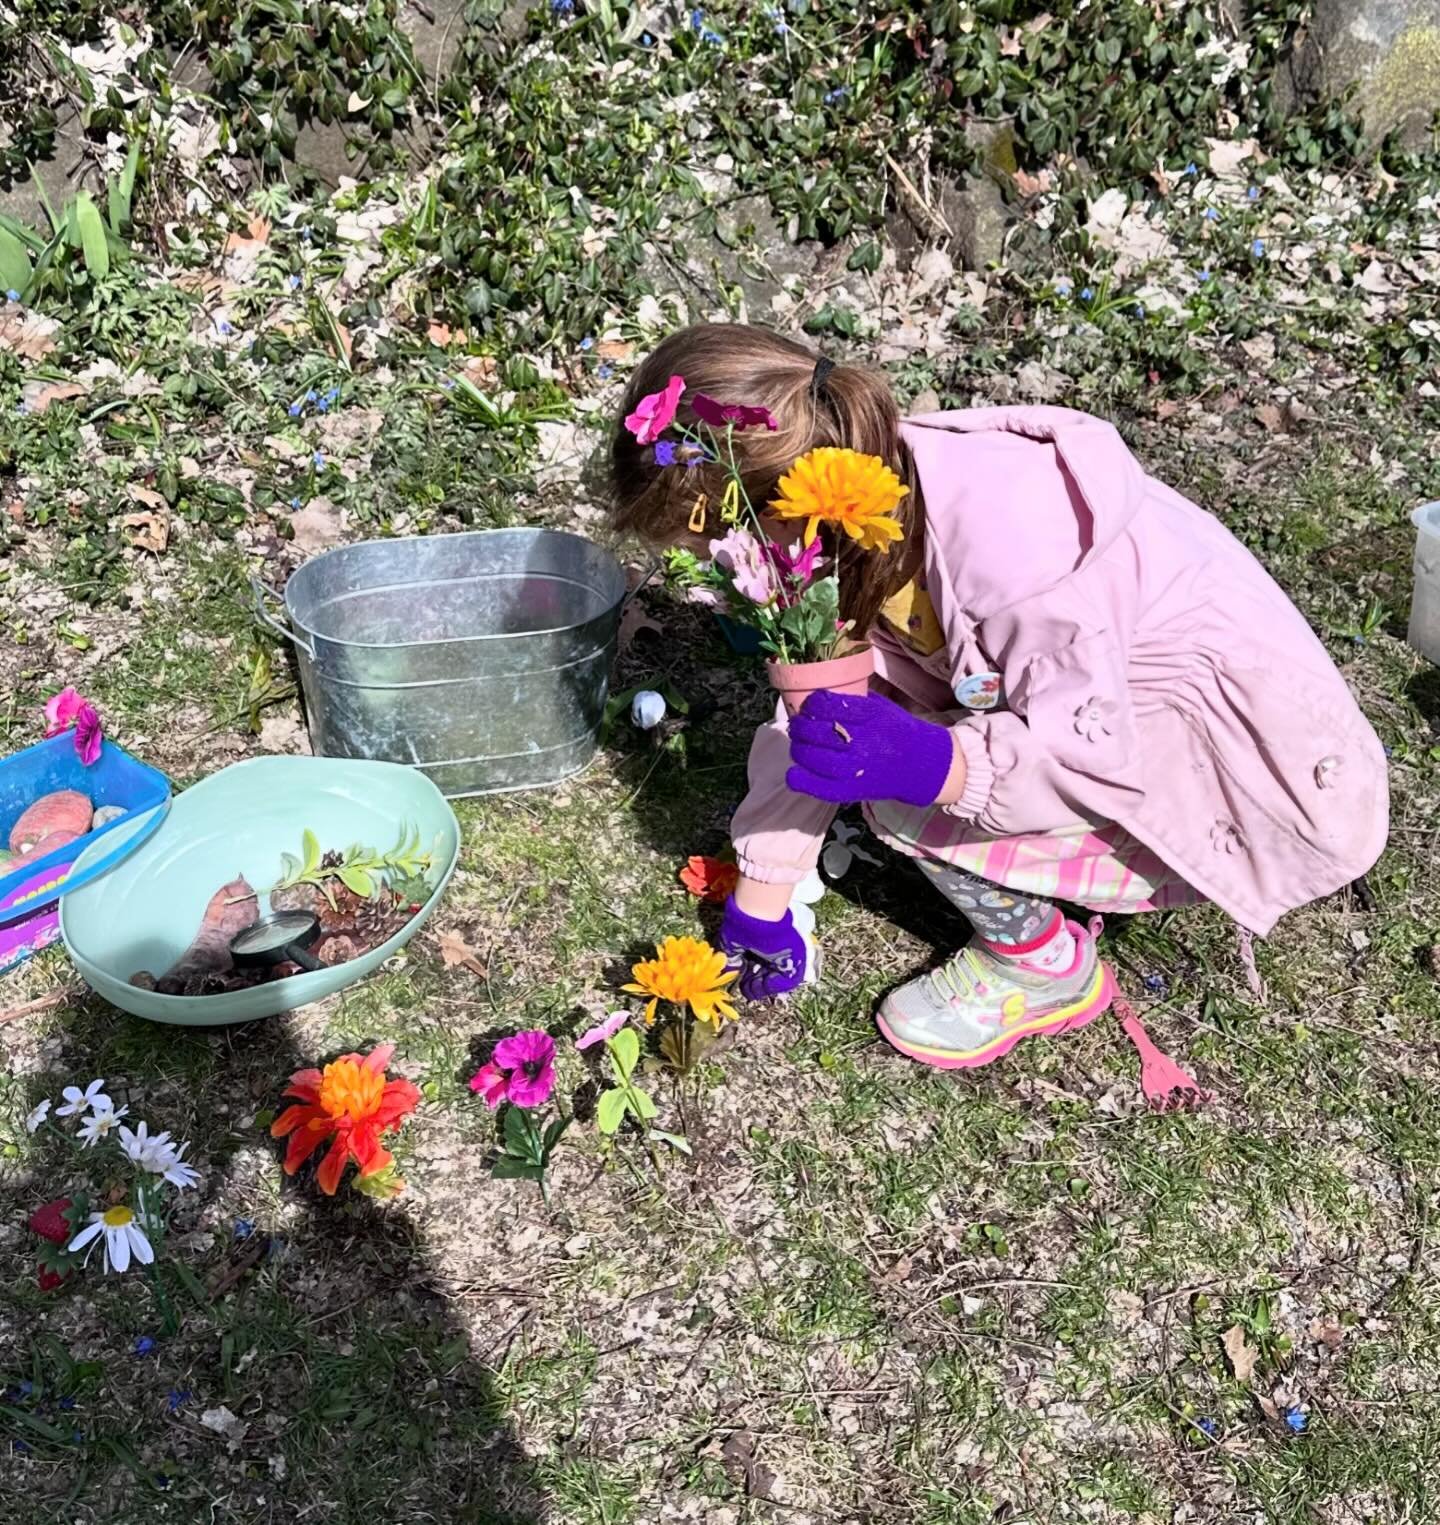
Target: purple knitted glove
(851, 747)
(771, 954)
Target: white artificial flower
(123, 1236)
(100, 1124)
(179, 1173)
(81, 1101)
(38, 1116)
(147, 1152)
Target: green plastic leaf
(121, 192)
(625, 1051)
(357, 880)
(381, 1186)
(14, 263)
(508, 1168)
(645, 1104)
(553, 1134)
(91, 232)
(610, 1110)
(676, 1141)
(310, 846)
(519, 1135)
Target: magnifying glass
(282, 939)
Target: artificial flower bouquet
(790, 595)
(127, 1225)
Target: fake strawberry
(48, 1280)
(49, 1221)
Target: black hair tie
(818, 388)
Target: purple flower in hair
(718, 414)
(665, 452)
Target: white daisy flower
(38, 1116)
(145, 1151)
(123, 1237)
(81, 1101)
(101, 1123)
(179, 1172)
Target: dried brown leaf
(457, 953)
(148, 531)
(26, 333)
(1032, 185)
(633, 621)
(38, 395)
(1327, 1331)
(316, 526)
(1009, 43)
(1271, 418)
(258, 236)
(1241, 1354)
(614, 349)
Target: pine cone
(332, 860)
(379, 919)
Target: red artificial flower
(491, 1083)
(710, 878)
(351, 1102)
(49, 1221)
(718, 414)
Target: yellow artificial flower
(687, 972)
(856, 493)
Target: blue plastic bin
(114, 778)
(744, 639)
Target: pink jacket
(1154, 675)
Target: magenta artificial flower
(530, 1059)
(799, 562)
(606, 1029)
(490, 1082)
(654, 414)
(718, 414)
(743, 556)
(68, 711)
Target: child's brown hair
(840, 405)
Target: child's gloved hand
(851, 747)
(770, 954)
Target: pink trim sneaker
(976, 1007)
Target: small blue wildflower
(1253, 193)
(66, 1404)
(1258, 247)
(781, 29)
(1190, 169)
(176, 1398)
(562, 7)
(838, 94)
(323, 406)
(22, 407)
(332, 394)
(1139, 309)
(77, 1437)
(1388, 751)
(604, 370)
(697, 19)
(20, 1447)
(1087, 293)
(665, 452)
(1212, 214)
(448, 382)
(295, 503)
(305, 233)
(1296, 1420)
(713, 38)
(12, 295)
(161, 1481)
(295, 409)
(319, 460)
(144, 1345)
(224, 327)
(294, 281)
(244, 1227)
(26, 1388)
(1208, 1426)
(587, 343)
(1157, 985)
(646, 40)
(311, 395)
(1203, 276)
(1359, 640)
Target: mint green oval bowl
(145, 913)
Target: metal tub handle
(263, 614)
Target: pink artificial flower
(718, 414)
(654, 414)
(61, 711)
(530, 1059)
(89, 737)
(68, 711)
(799, 562)
(491, 1082)
(741, 555)
(708, 598)
(606, 1029)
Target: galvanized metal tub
(482, 659)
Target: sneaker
(980, 1004)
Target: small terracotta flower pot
(796, 681)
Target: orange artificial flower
(351, 1102)
(710, 878)
(855, 493)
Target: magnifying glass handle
(307, 961)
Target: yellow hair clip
(730, 503)
(697, 515)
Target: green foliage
(362, 870)
(625, 1098)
